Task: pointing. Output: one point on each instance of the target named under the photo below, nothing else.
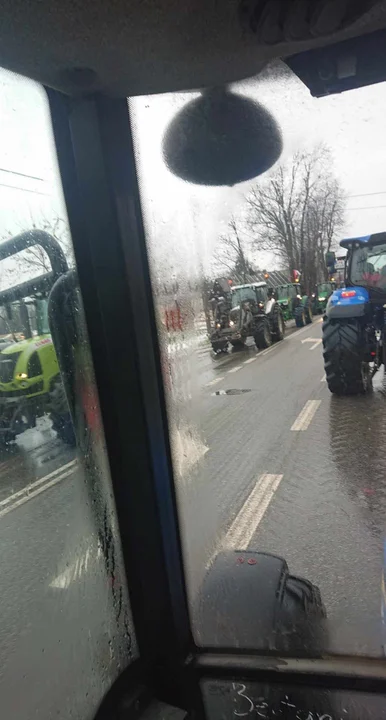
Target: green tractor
(323, 291)
(295, 304)
(30, 379)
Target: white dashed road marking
(22, 496)
(235, 369)
(214, 382)
(304, 418)
(251, 360)
(265, 352)
(249, 517)
(315, 341)
(324, 379)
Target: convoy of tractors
(258, 311)
(354, 328)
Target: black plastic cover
(249, 600)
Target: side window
(66, 622)
(34, 366)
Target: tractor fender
(249, 599)
(347, 303)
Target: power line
(381, 192)
(14, 187)
(369, 207)
(14, 172)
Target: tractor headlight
(299, 297)
(218, 325)
(22, 376)
(321, 299)
(261, 305)
(231, 323)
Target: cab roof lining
(133, 47)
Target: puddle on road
(236, 391)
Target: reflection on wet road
(36, 454)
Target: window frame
(96, 160)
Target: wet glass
(368, 266)
(242, 294)
(266, 459)
(324, 287)
(224, 698)
(66, 629)
(282, 293)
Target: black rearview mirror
(221, 138)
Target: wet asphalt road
(327, 515)
(324, 512)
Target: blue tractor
(354, 325)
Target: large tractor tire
(262, 335)
(347, 371)
(300, 316)
(308, 312)
(60, 414)
(277, 323)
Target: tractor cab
(354, 336)
(294, 303)
(365, 270)
(30, 379)
(323, 290)
(255, 293)
(367, 263)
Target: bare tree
(34, 261)
(231, 253)
(36, 257)
(297, 212)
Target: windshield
(283, 293)
(324, 288)
(307, 482)
(368, 266)
(239, 295)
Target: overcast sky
(184, 221)
(351, 124)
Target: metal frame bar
(354, 673)
(96, 160)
